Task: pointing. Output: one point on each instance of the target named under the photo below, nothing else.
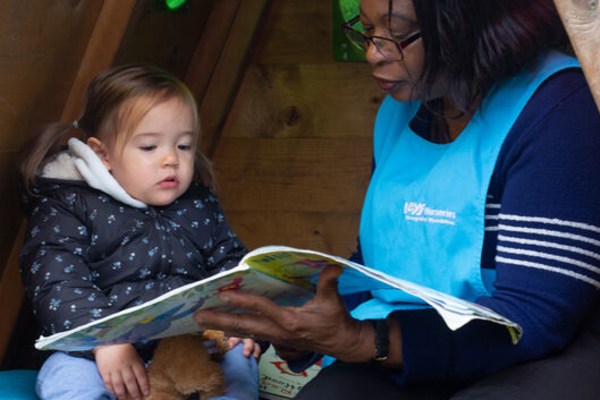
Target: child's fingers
(142, 379)
(257, 351)
(233, 341)
(249, 345)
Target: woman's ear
(100, 149)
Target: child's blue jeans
(65, 377)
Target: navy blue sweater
(542, 236)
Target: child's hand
(250, 346)
(122, 371)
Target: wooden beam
(210, 46)
(101, 49)
(228, 71)
(581, 19)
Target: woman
(489, 125)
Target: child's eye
(184, 147)
(147, 148)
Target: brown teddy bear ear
(220, 340)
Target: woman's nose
(372, 53)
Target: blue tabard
(423, 215)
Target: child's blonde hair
(115, 102)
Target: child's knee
(56, 379)
(241, 374)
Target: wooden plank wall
(215, 95)
(41, 48)
(118, 32)
(294, 157)
(41, 45)
(167, 39)
(100, 46)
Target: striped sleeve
(542, 232)
(542, 238)
(570, 249)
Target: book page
(286, 275)
(303, 267)
(172, 313)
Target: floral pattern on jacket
(87, 255)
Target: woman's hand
(321, 325)
(122, 371)
(288, 353)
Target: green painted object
(343, 50)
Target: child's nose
(171, 159)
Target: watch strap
(382, 340)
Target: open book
(286, 275)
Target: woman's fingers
(301, 326)
(257, 304)
(327, 285)
(234, 324)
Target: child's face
(156, 164)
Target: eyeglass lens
(386, 47)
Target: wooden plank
(300, 175)
(581, 19)
(40, 48)
(164, 38)
(333, 233)
(42, 29)
(34, 97)
(210, 47)
(305, 100)
(297, 32)
(101, 49)
(226, 78)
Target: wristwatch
(382, 340)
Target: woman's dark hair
(473, 44)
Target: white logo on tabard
(419, 212)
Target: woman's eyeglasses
(390, 49)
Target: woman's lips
(386, 85)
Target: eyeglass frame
(400, 45)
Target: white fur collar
(81, 163)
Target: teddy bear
(182, 366)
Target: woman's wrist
(375, 342)
(382, 340)
(359, 348)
